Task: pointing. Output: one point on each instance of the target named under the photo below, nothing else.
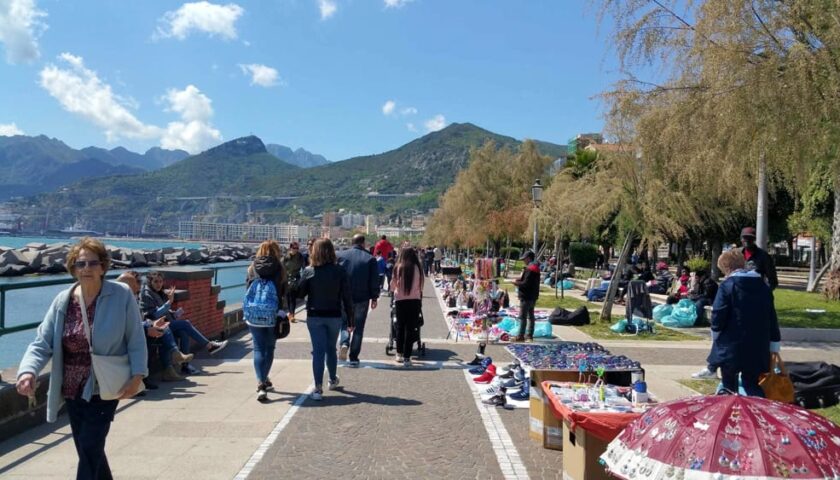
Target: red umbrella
(726, 437)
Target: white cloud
(20, 27)
(388, 107)
(410, 126)
(80, 91)
(261, 75)
(327, 8)
(397, 3)
(200, 17)
(435, 123)
(408, 111)
(10, 130)
(194, 133)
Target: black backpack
(561, 316)
(816, 384)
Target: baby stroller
(391, 346)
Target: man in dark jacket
(758, 259)
(363, 271)
(529, 292)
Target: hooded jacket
(269, 268)
(327, 292)
(744, 318)
(529, 283)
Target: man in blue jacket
(363, 271)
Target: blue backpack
(261, 303)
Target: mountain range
(35, 164)
(241, 181)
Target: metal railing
(65, 280)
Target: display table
(584, 433)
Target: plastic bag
(542, 330)
(661, 311)
(509, 324)
(683, 315)
(619, 326)
(568, 284)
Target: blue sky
(338, 77)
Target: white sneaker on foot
(316, 395)
(705, 373)
(333, 383)
(342, 353)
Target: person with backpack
(264, 306)
(326, 286)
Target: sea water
(31, 304)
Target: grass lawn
(791, 305)
(708, 387)
(601, 331)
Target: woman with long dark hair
(326, 286)
(407, 287)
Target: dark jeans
(408, 322)
(263, 340)
(323, 331)
(291, 301)
(729, 378)
(526, 316)
(354, 340)
(90, 423)
(167, 345)
(184, 331)
(437, 266)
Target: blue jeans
(354, 341)
(526, 317)
(90, 423)
(323, 331)
(184, 331)
(167, 346)
(749, 380)
(263, 340)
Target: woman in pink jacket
(407, 286)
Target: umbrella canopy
(726, 437)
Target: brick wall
(196, 295)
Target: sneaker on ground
(342, 353)
(317, 395)
(523, 394)
(269, 386)
(216, 347)
(354, 363)
(705, 373)
(334, 383)
(519, 338)
(475, 361)
(529, 338)
(496, 400)
(512, 383)
(262, 395)
(407, 363)
(399, 359)
(188, 369)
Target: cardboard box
(552, 429)
(580, 455)
(538, 408)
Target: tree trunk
(761, 212)
(606, 311)
(717, 246)
(835, 230)
(557, 266)
(813, 286)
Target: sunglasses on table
(80, 264)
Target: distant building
(331, 219)
(352, 220)
(370, 224)
(582, 140)
(239, 232)
(392, 231)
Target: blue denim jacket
(117, 330)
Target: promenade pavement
(385, 421)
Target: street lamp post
(536, 195)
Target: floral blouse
(77, 366)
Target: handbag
(777, 386)
(112, 372)
(282, 327)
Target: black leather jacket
(327, 292)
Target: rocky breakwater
(41, 258)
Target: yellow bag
(777, 386)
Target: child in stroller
(392, 337)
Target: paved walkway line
(272, 437)
(506, 453)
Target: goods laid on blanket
(582, 357)
(507, 387)
(494, 327)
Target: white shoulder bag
(112, 372)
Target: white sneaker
(406, 363)
(342, 353)
(316, 395)
(333, 384)
(705, 373)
